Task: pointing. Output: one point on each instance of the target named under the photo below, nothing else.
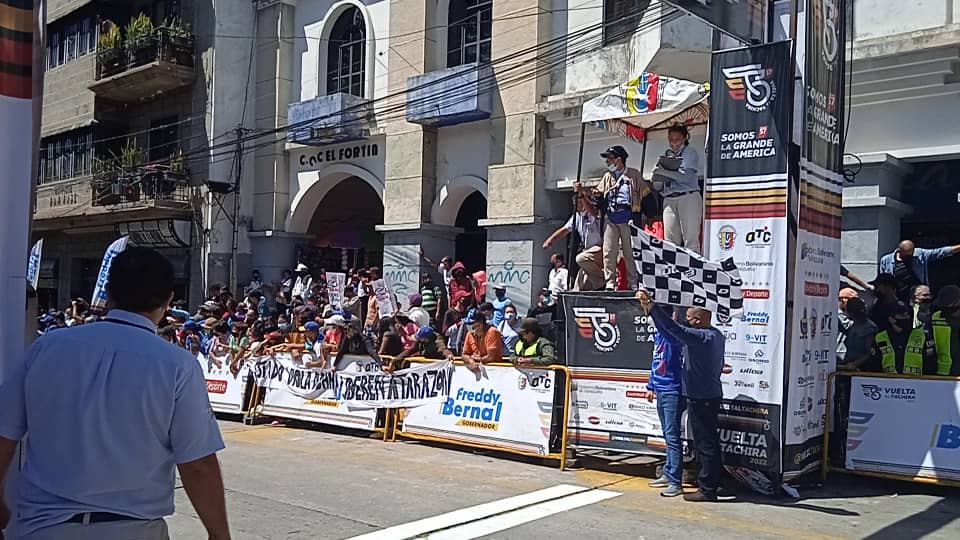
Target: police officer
(946, 331)
(532, 349)
(904, 349)
(111, 410)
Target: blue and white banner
(33, 264)
(99, 300)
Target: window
(164, 139)
(66, 156)
(621, 18)
(469, 28)
(346, 54)
(70, 38)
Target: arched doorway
(471, 244)
(343, 228)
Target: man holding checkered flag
(676, 276)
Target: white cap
(302, 267)
(336, 320)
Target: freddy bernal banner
(419, 385)
(33, 264)
(99, 300)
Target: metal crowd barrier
(878, 393)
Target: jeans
(703, 415)
(670, 408)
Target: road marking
(515, 518)
(502, 508)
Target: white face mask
(612, 168)
(511, 316)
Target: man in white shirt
(558, 275)
(586, 222)
(303, 283)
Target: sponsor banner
(99, 301)
(907, 427)
(504, 407)
(817, 272)
(307, 394)
(750, 442)
(33, 264)
(607, 330)
(224, 388)
(608, 412)
(746, 218)
(421, 384)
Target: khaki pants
(590, 276)
(616, 239)
(133, 529)
(683, 220)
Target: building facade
(128, 131)
(903, 136)
(447, 128)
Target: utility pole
(235, 247)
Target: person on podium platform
(702, 366)
(904, 349)
(946, 331)
(677, 179)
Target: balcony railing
(155, 184)
(145, 66)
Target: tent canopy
(646, 103)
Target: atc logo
(759, 237)
(751, 84)
(596, 324)
(727, 237)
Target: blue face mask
(283, 327)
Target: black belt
(100, 517)
(672, 195)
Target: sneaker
(672, 491)
(700, 496)
(661, 482)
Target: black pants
(703, 420)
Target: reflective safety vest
(528, 351)
(941, 336)
(912, 356)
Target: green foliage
(139, 27)
(109, 39)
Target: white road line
(473, 513)
(509, 520)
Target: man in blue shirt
(500, 303)
(702, 366)
(666, 386)
(112, 410)
(910, 265)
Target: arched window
(469, 27)
(346, 54)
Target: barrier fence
(896, 426)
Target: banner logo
(751, 83)
(599, 325)
(727, 237)
(827, 23)
(947, 436)
(759, 237)
(216, 387)
(756, 294)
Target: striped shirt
(430, 299)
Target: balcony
(450, 96)
(151, 186)
(329, 119)
(144, 67)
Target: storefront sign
(746, 218)
(906, 427)
(313, 159)
(504, 407)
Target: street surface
(295, 483)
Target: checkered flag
(680, 277)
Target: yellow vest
(527, 352)
(912, 357)
(941, 336)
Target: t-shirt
(906, 280)
(860, 341)
(445, 272)
(587, 226)
(498, 310)
(391, 344)
(491, 344)
(430, 299)
(558, 281)
(510, 337)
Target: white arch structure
(448, 201)
(329, 20)
(308, 199)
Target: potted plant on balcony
(109, 50)
(131, 159)
(177, 42)
(105, 182)
(141, 41)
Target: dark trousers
(703, 415)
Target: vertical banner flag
(33, 264)
(817, 272)
(99, 301)
(746, 218)
(335, 284)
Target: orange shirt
(492, 344)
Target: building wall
(67, 103)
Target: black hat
(615, 151)
(530, 324)
(884, 279)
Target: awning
(646, 103)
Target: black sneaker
(700, 496)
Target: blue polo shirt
(111, 409)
